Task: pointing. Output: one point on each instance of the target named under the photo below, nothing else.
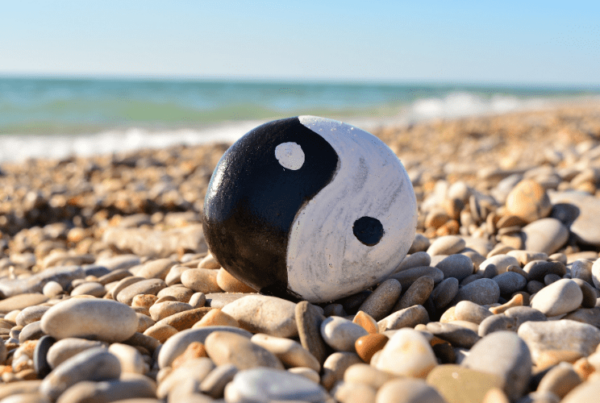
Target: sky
(511, 42)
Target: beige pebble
(162, 310)
(230, 348)
(407, 353)
(160, 331)
(216, 317)
(130, 359)
(202, 280)
(291, 353)
(366, 321)
(228, 283)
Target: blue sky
(512, 42)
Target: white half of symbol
(290, 155)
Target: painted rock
(309, 208)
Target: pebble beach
(109, 293)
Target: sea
(58, 118)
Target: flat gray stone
(510, 282)
(457, 266)
(583, 215)
(409, 276)
(546, 235)
(483, 292)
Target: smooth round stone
(177, 344)
(289, 352)
(52, 289)
(156, 269)
(366, 374)
(447, 245)
(528, 201)
(407, 353)
(496, 323)
(348, 392)
(335, 367)
(471, 312)
(416, 294)
(409, 276)
(186, 319)
(382, 300)
(93, 289)
(524, 256)
(582, 269)
(201, 280)
(458, 336)
(409, 317)
(134, 390)
(341, 334)
(586, 392)
(160, 332)
(64, 349)
(285, 209)
(538, 269)
(198, 300)
(457, 266)
(262, 314)
(98, 318)
(32, 331)
(265, 384)
(483, 292)
(367, 346)
(524, 314)
(506, 355)
(230, 348)
(95, 364)
(228, 283)
(187, 377)
(502, 263)
(560, 297)
(510, 282)
(40, 360)
(559, 337)
(417, 259)
(130, 358)
(20, 302)
(121, 284)
(179, 292)
(546, 235)
(551, 278)
(216, 318)
(585, 315)
(463, 385)
(162, 310)
(583, 219)
(408, 391)
(419, 244)
(214, 383)
(367, 322)
(445, 292)
(309, 320)
(151, 286)
(560, 380)
(121, 262)
(31, 314)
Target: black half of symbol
(368, 230)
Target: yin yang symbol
(309, 208)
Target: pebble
(523, 314)
(510, 282)
(525, 256)
(228, 283)
(262, 314)
(94, 289)
(463, 385)
(214, 383)
(346, 392)
(186, 319)
(407, 353)
(191, 371)
(156, 269)
(496, 323)
(85, 317)
(144, 322)
(366, 321)
(256, 385)
(335, 366)
(445, 292)
(341, 334)
(40, 361)
(409, 276)
(408, 391)
(366, 374)
(179, 292)
(417, 294)
(456, 335)
(528, 201)
(138, 388)
(367, 346)
(32, 331)
(546, 235)
(502, 263)
(202, 280)
(457, 266)
(216, 317)
(506, 355)
(230, 348)
(151, 286)
(447, 245)
(31, 314)
(130, 358)
(163, 309)
(289, 352)
(64, 349)
(471, 312)
(20, 302)
(382, 300)
(177, 344)
(122, 262)
(160, 332)
(420, 244)
(584, 225)
(123, 283)
(415, 260)
(583, 315)
(538, 269)
(586, 392)
(582, 269)
(409, 317)
(52, 289)
(547, 340)
(560, 380)
(95, 364)
(309, 320)
(198, 300)
(595, 277)
(560, 297)
(482, 291)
